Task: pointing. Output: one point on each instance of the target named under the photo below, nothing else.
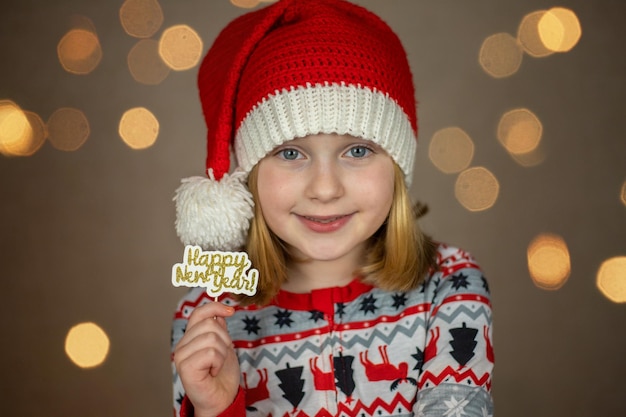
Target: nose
(325, 181)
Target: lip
(324, 224)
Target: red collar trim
(322, 299)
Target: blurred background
(522, 161)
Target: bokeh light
(22, 133)
(500, 55)
(623, 193)
(68, 129)
(145, 64)
(35, 138)
(245, 4)
(519, 131)
(451, 150)
(528, 35)
(79, 51)
(548, 261)
(87, 345)
(141, 18)
(180, 47)
(559, 29)
(611, 279)
(14, 127)
(477, 189)
(139, 128)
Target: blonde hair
(398, 257)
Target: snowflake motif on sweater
(360, 351)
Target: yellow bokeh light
(476, 189)
(22, 133)
(529, 37)
(87, 345)
(68, 129)
(451, 150)
(245, 4)
(141, 18)
(548, 261)
(500, 55)
(139, 128)
(559, 29)
(145, 64)
(623, 193)
(15, 128)
(180, 47)
(32, 141)
(611, 279)
(519, 131)
(79, 51)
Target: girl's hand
(206, 360)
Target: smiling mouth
(324, 220)
(325, 224)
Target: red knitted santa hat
(292, 69)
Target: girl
(357, 313)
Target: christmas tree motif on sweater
(292, 384)
(386, 371)
(463, 344)
(344, 374)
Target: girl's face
(326, 195)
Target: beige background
(88, 235)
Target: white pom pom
(214, 214)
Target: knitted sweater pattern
(362, 351)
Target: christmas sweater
(362, 351)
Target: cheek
(378, 187)
(272, 189)
(264, 190)
(385, 198)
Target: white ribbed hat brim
(332, 108)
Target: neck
(310, 275)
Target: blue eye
(289, 154)
(359, 151)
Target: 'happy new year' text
(218, 271)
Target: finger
(201, 364)
(210, 310)
(204, 319)
(205, 353)
(208, 325)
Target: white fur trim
(214, 214)
(333, 108)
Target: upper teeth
(323, 220)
